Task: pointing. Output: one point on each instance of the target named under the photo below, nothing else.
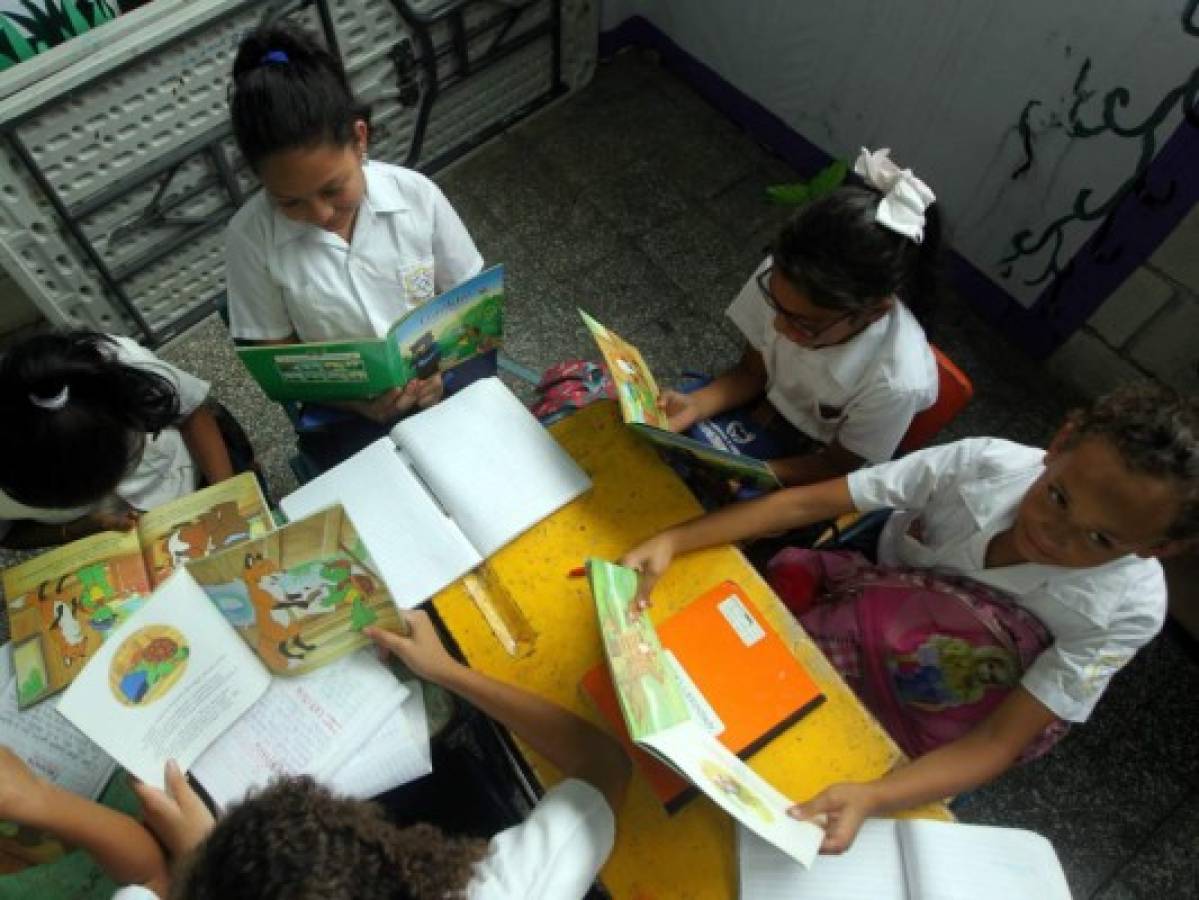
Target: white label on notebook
(702, 712)
(741, 620)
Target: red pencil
(579, 572)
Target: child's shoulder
(387, 181)
(254, 219)
(908, 363)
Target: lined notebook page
(871, 870)
(50, 745)
(946, 861)
(496, 470)
(396, 754)
(415, 547)
(303, 725)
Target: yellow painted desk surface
(689, 854)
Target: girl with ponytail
(834, 342)
(97, 429)
(335, 246)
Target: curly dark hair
(842, 258)
(295, 840)
(1156, 431)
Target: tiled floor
(638, 202)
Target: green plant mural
(47, 23)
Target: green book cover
(650, 698)
(464, 322)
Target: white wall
(943, 83)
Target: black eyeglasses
(797, 322)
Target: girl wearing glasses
(833, 342)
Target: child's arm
(830, 462)
(734, 388)
(28, 535)
(779, 511)
(576, 747)
(123, 848)
(203, 438)
(987, 751)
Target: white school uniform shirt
(555, 854)
(965, 493)
(869, 387)
(166, 469)
(286, 277)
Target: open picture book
(660, 720)
(909, 859)
(177, 680)
(64, 603)
(637, 393)
(466, 323)
(448, 488)
(741, 682)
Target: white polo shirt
(166, 469)
(286, 277)
(965, 493)
(555, 854)
(863, 392)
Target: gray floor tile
(1166, 865)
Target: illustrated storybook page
(659, 718)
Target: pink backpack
(568, 386)
(929, 654)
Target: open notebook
(448, 488)
(910, 859)
(176, 681)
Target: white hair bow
(905, 197)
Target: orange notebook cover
(748, 681)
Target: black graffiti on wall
(1080, 122)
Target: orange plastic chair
(954, 390)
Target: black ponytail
(842, 258)
(289, 92)
(75, 418)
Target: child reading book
(1013, 584)
(334, 247)
(100, 430)
(296, 834)
(832, 341)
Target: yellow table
(689, 854)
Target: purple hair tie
(274, 56)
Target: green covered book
(463, 324)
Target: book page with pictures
(417, 548)
(947, 860)
(396, 754)
(493, 466)
(736, 788)
(308, 725)
(167, 683)
(872, 869)
(302, 594)
(204, 522)
(50, 745)
(63, 604)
